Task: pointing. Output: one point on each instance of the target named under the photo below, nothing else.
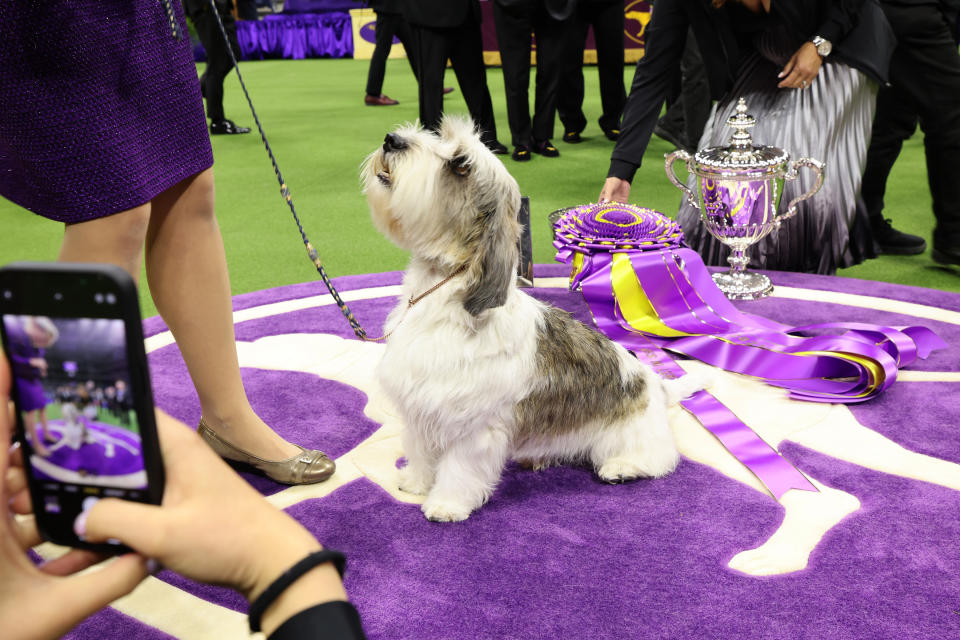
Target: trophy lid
(741, 155)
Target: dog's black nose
(393, 142)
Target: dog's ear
(493, 266)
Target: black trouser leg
(386, 27)
(466, 56)
(894, 122)
(925, 71)
(219, 63)
(405, 35)
(570, 98)
(431, 59)
(551, 50)
(513, 35)
(608, 34)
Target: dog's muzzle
(391, 144)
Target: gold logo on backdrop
(636, 16)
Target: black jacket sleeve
(841, 17)
(658, 69)
(337, 620)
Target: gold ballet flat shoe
(307, 467)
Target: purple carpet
(559, 554)
(106, 451)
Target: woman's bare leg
(116, 239)
(187, 272)
(30, 418)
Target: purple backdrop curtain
(320, 6)
(295, 36)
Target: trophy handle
(669, 161)
(809, 163)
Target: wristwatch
(824, 46)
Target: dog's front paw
(413, 482)
(445, 511)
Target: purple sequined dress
(100, 107)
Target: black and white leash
(284, 190)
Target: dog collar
(415, 299)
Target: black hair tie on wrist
(265, 599)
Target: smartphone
(84, 409)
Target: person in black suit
(606, 17)
(548, 20)
(390, 23)
(219, 63)
(925, 87)
(450, 29)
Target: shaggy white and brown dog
(480, 371)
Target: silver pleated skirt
(831, 121)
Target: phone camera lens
(98, 298)
(7, 294)
(111, 299)
(58, 296)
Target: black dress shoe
(496, 147)
(612, 133)
(893, 242)
(545, 148)
(943, 255)
(521, 153)
(222, 127)
(573, 137)
(447, 90)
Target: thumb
(84, 594)
(139, 526)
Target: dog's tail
(683, 387)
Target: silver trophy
(740, 187)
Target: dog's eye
(460, 166)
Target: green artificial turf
(320, 130)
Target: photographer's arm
(215, 528)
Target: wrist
(823, 46)
(320, 584)
(275, 555)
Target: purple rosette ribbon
(652, 294)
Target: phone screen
(85, 419)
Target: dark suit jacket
(386, 6)
(558, 9)
(440, 14)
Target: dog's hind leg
(467, 473)
(642, 446)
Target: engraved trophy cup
(739, 192)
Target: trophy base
(745, 285)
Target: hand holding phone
(73, 336)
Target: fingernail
(80, 524)
(153, 567)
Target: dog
(479, 371)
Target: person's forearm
(320, 584)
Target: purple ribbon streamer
(776, 473)
(684, 297)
